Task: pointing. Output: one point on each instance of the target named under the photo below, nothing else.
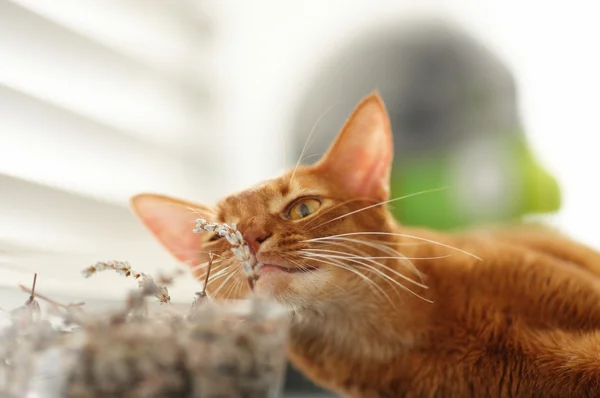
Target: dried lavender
(29, 312)
(222, 353)
(218, 349)
(27, 332)
(201, 298)
(121, 267)
(225, 350)
(146, 283)
(69, 314)
(240, 248)
(214, 350)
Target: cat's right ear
(361, 156)
(172, 222)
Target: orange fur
(504, 312)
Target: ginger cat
(381, 310)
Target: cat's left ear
(361, 156)
(172, 222)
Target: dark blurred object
(296, 385)
(453, 107)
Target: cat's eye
(303, 208)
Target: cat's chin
(279, 281)
(274, 276)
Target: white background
(251, 65)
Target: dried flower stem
(121, 267)
(149, 288)
(201, 295)
(146, 283)
(240, 248)
(49, 300)
(208, 268)
(30, 312)
(32, 296)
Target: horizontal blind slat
(55, 64)
(99, 100)
(46, 144)
(50, 219)
(61, 234)
(163, 33)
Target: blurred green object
(454, 115)
(533, 191)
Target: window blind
(99, 100)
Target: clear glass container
(249, 359)
(228, 349)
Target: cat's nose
(254, 238)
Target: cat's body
(523, 322)
(381, 310)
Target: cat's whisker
(224, 283)
(378, 204)
(358, 259)
(386, 242)
(302, 265)
(325, 212)
(196, 212)
(353, 258)
(193, 251)
(343, 266)
(190, 262)
(392, 254)
(366, 256)
(310, 156)
(213, 270)
(393, 284)
(374, 258)
(398, 235)
(238, 290)
(392, 257)
(214, 276)
(378, 246)
(384, 276)
(230, 289)
(204, 265)
(308, 140)
(305, 267)
(382, 248)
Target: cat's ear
(172, 222)
(361, 156)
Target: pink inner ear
(172, 222)
(361, 156)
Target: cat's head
(293, 223)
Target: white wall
(262, 54)
(271, 48)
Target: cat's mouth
(289, 270)
(274, 263)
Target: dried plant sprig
(146, 283)
(240, 248)
(150, 288)
(121, 267)
(30, 312)
(52, 302)
(32, 293)
(71, 312)
(152, 350)
(200, 298)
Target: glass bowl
(234, 348)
